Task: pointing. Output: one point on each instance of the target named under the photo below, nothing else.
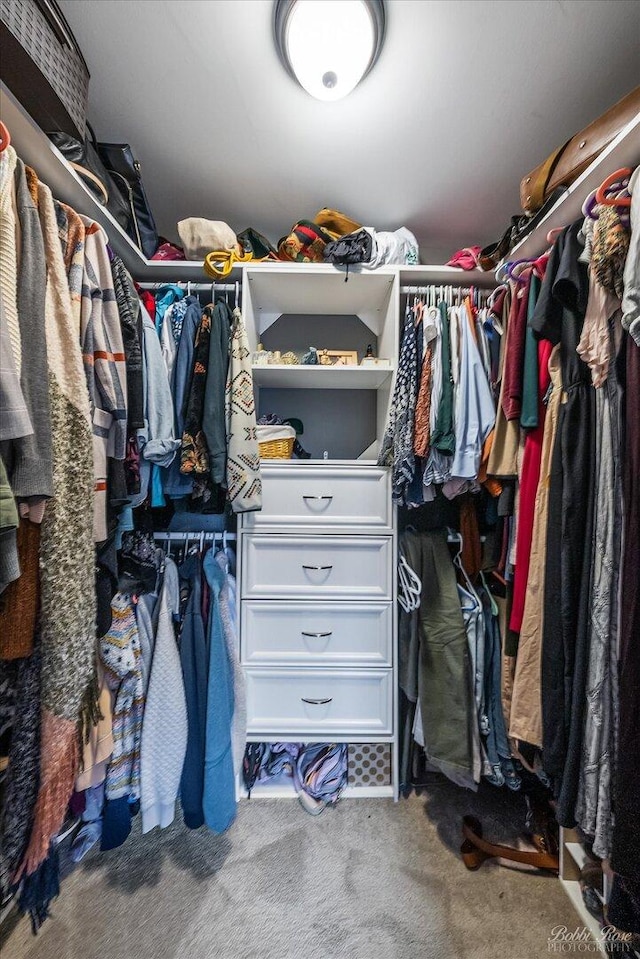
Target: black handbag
(83, 156)
(353, 248)
(119, 160)
(258, 245)
(521, 226)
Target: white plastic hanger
(409, 586)
(457, 561)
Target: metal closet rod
(205, 536)
(199, 287)
(445, 287)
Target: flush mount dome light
(328, 46)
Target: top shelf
(623, 151)
(35, 148)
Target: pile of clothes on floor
(318, 770)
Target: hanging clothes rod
(198, 287)
(205, 537)
(458, 290)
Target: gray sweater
(28, 460)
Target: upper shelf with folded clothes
(35, 148)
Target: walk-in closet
(319, 479)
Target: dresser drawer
(323, 496)
(331, 567)
(327, 702)
(316, 634)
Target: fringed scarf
(66, 558)
(23, 772)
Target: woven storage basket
(42, 64)
(276, 449)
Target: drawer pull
(316, 497)
(317, 702)
(317, 569)
(317, 635)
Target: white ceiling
(467, 97)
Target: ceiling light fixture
(328, 46)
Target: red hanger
(5, 137)
(553, 234)
(601, 193)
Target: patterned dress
(397, 444)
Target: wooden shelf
(285, 377)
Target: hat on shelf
(199, 237)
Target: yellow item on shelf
(219, 263)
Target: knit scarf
(66, 555)
(121, 657)
(23, 772)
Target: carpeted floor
(367, 880)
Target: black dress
(559, 317)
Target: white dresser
(317, 606)
(317, 563)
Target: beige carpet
(367, 880)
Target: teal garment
(219, 797)
(443, 437)
(165, 297)
(157, 491)
(529, 412)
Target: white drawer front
(332, 567)
(323, 496)
(297, 702)
(316, 634)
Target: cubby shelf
(285, 377)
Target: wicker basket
(276, 449)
